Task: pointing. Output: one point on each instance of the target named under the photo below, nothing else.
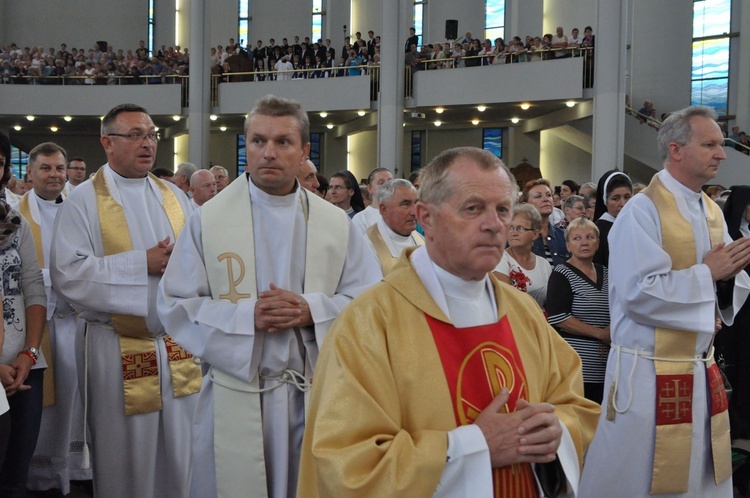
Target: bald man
(308, 176)
(202, 186)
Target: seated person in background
(578, 304)
(647, 111)
(520, 267)
(393, 413)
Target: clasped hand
(530, 434)
(12, 376)
(727, 260)
(279, 309)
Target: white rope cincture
(288, 376)
(646, 355)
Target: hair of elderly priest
(388, 189)
(676, 128)
(434, 185)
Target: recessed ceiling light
(223, 128)
(570, 103)
(156, 128)
(30, 117)
(323, 114)
(329, 126)
(475, 122)
(525, 106)
(53, 129)
(481, 108)
(514, 120)
(213, 117)
(439, 110)
(17, 128)
(176, 117)
(68, 118)
(438, 123)
(361, 113)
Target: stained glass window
(710, 71)
(315, 148)
(317, 21)
(492, 140)
(244, 23)
(241, 154)
(18, 160)
(494, 19)
(418, 20)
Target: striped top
(570, 293)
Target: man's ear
(425, 218)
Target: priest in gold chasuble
(442, 381)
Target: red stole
(479, 362)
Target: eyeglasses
(137, 137)
(519, 229)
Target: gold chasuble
(140, 370)
(488, 353)
(46, 346)
(674, 351)
(386, 259)
(229, 256)
(384, 400)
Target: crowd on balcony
(99, 65)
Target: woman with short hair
(520, 267)
(578, 304)
(574, 208)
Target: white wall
(661, 66)
(561, 161)
(363, 153)
(523, 17)
(366, 15)
(280, 18)
(571, 14)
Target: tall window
(244, 23)
(711, 34)
(241, 154)
(416, 149)
(494, 19)
(317, 21)
(18, 160)
(492, 140)
(151, 27)
(419, 20)
(315, 150)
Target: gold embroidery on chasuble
(478, 363)
(137, 347)
(675, 379)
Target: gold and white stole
(29, 209)
(385, 257)
(140, 371)
(674, 379)
(229, 255)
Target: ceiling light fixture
(475, 122)
(223, 128)
(324, 115)
(361, 113)
(213, 117)
(53, 129)
(68, 119)
(525, 106)
(481, 108)
(439, 110)
(30, 117)
(438, 123)
(329, 126)
(17, 128)
(514, 120)
(570, 103)
(176, 117)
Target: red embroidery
(137, 366)
(674, 399)
(519, 280)
(174, 351)
(719, 402)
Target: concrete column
(199, 107)
(609, 87)
(395, 28)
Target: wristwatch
(34, 352)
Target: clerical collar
(57, 200)
(458, 288)
(257, 195)
(672, 183)
(397, 238)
